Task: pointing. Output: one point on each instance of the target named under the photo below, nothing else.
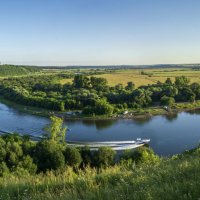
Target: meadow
(145, 76)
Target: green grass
(171, 178)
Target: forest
(93, 96)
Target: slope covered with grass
(171, 178)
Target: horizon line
(91, 65)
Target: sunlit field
(146, 76)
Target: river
(169, 135)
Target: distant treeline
(14, 70)
(158, 66)
(6, 70)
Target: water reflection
(194, 112)
(141, 120)
(171, 117)
(100, 124)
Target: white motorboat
(115, 145)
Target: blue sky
(99, 32)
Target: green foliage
(130, 86)
(102, 107)
(168, 81)
(98, 83)
(86, 156)
(15, 153)
(104, 157)
(141, 155)
(72, 157)
(27, 164)
(168, 101)
(13, 70)
(182, 81)
(195, 87)
(140, 174)
(56, 131)
(142, 97)
(169, 179)
(48, 155)
(4, 170)
(92, 95)
(81, 81)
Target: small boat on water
(115, 145)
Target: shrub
(104, 157)
(142, 155)
(27, 164)
(86, 156)
(48, 155)
(3, 169)
(72, 157)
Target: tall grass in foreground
(170, 179)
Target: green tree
(62, 106)
(104, 157)
(168, 101)
(119, 87)
(48, 155)
(130, 86)
(142, 97)
(142, 155)
(2, 149)
(98, 83)
(81, 81)
(195, 87)
(102, 107)
(170, 91)
(182, 81)
(27, 164)
(55, 130)
(4, 170)
(86, 156)
(14, 153)
(168, 81)
(72, 157)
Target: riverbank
(143, 113)
(26, 109)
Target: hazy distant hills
(14, 70)
(125, 66)
(21, 69)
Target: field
(146, 76)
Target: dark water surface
(169, 135)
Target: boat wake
(115, 145)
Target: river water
(169, 135)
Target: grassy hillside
(172, 178)
(13, 70)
